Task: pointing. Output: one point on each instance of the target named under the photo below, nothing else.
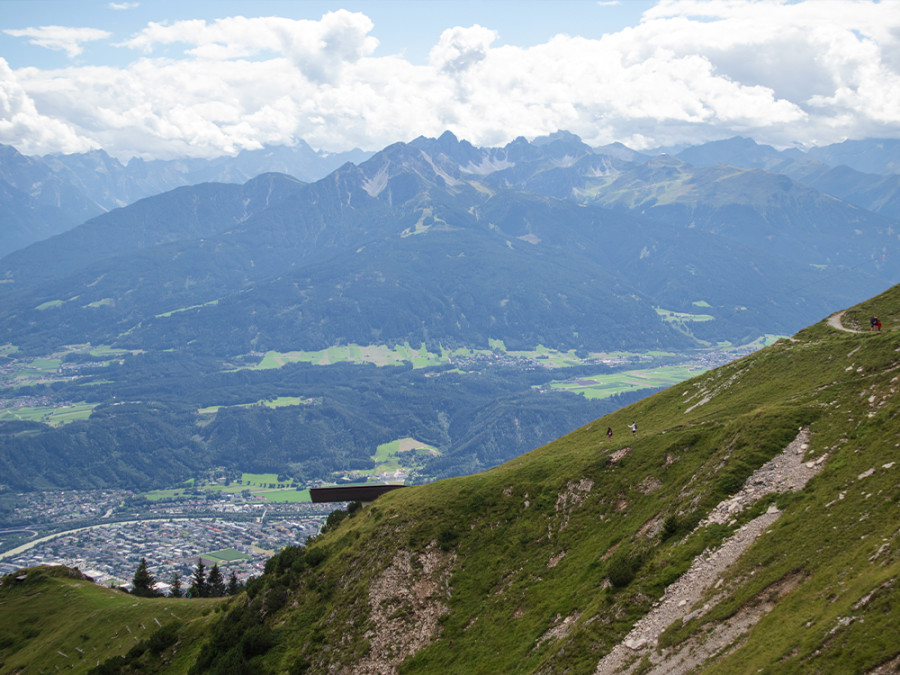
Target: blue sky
(170, 79)
(401, 26)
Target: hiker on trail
(609, 432)
(874, 323)
(633, 427)
(877, 325)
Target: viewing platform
(350, 493)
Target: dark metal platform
(350, 493)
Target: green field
(259, 479)
(401, 454)
(257, 484)
(49, 365)
(226, 555)
(604, 386)
(278, 402)
(380, 355)
(420, 357)
(106, 350)
(393, 456)
(54, 416)
(284, 495)
(187, 309)
(669, 315)
(42, 369)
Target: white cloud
(24, 127)
(123, 5)
(784, 73)
(317, 48)
(461, 48)
(60, 38)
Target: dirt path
(835, 322)
(786, 472)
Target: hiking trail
(835, 322)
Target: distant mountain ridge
(864, 174)
(42, 196)
(437, 241)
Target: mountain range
(43, 196)
(434, 243)
(749, 523)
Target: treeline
(203, 584)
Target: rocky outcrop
(406, 602)
(787, 472)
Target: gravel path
(835, 322)
(786, 472)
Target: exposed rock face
(560, 628)
(570, 499)
(406, 601)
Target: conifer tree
(234, 586)
(142, 582)
(199, 588)
(175, 591)
(215, 584)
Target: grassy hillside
(54, 619)
(750, 525)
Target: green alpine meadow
(749, 523)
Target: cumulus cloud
(28, 130)
(60, 38)
(460, 48)
(782, 72)
(317, 48)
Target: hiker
(878, 325)
(609, 432)
(874, 323)
(633, 428)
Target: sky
(160, 79)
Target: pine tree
(215, 583)
(142, 583)
(234, 586)
(199, 588)
(175, 591)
